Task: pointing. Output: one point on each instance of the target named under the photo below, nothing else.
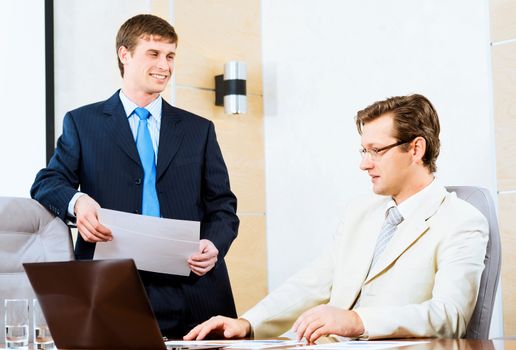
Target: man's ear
(418, 149)
(122, 54)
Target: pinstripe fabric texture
(97, 152)
(392, 221)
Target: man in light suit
(406, 263)
(136, 153)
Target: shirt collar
(154, 107)
(411, 204)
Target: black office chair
(480, 198)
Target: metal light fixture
(230, 88)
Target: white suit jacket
(425, 283)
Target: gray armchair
(28, 233)
(480, 322)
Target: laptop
(97, 304)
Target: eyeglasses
(374, 153)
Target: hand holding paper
(204, 260)
(155, 244)
(86, 210)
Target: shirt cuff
(71, 205)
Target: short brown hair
(413, 116)
(141, 26)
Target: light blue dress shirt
(154, 121)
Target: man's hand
(324, 320)
(204, 260)
(221, 326)
(86, 212)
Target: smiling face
(148, 68)
(391, 174)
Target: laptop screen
(95, 304)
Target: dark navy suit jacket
(97, 152)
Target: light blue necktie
(150, 202)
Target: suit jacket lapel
(119, 128)
(171, 137)
(355, 276)
(409, 231)
(368, 237)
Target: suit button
(138, 181)
(136, 211)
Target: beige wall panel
(212, 32)
(161, 8)
(503, 20)
(504, 92)
(247, 263)
(241, 141)
(507, 205)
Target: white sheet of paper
(264, 344)
(361, 344)
(236, 344)
(193, 343)
(155, 244)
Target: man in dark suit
(136, 153)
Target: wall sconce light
(230, 88)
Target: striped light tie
(392, 221)
(390, 224)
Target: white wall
(325, 60)
(22, 95)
